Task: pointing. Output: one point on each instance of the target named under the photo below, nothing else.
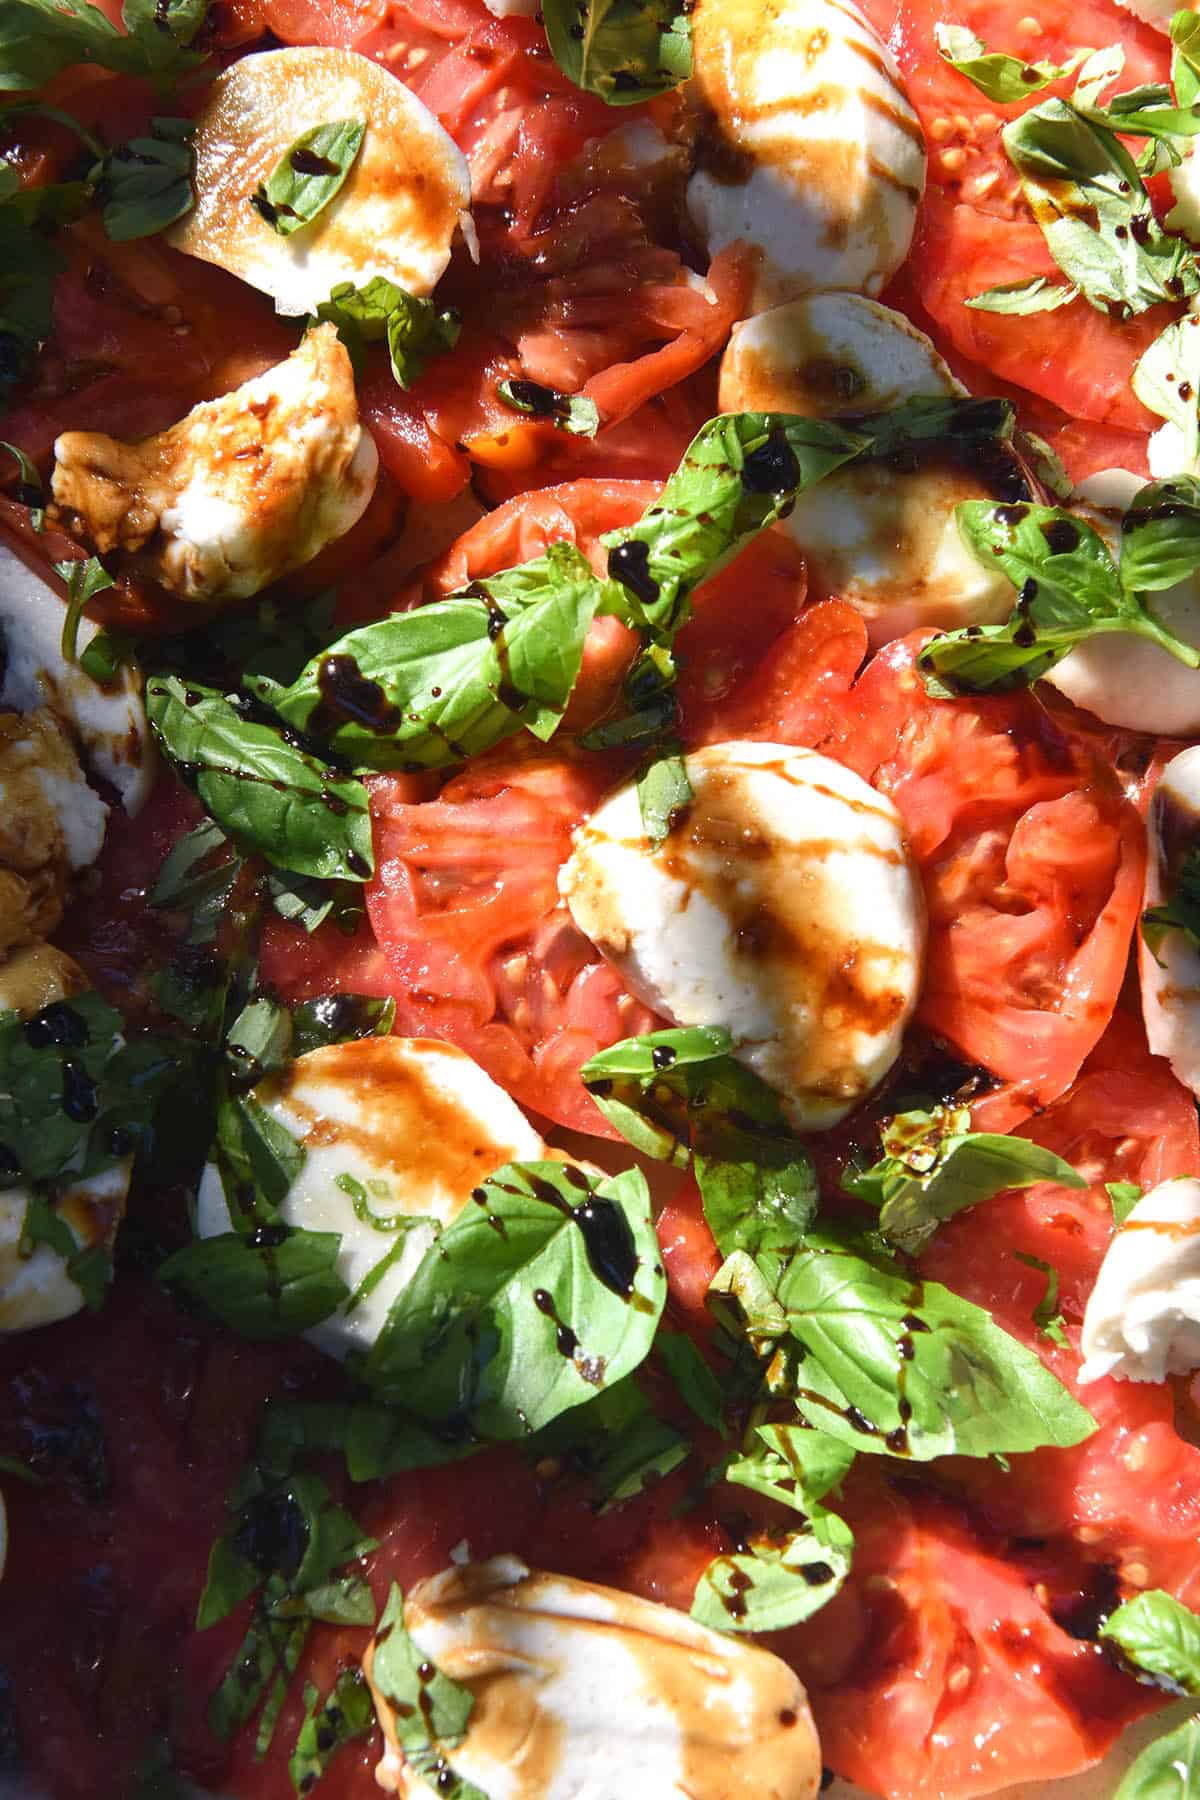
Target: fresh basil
(431, 1711)
(89, 1267)
(934, 1166)
(545, 1289)
(1166, 379)
(84, 579)
(259, 1041)
(146, 184)
(41, 38)
(1160, 534)
(308, 175)
(374, 1441)
(197, 877)
(781, 1579)
(1167, 1769)
(1185, 56)
(1046, 1315)
(572, 413)
(29, 484)
(339, 1019)
(698, 1387)
(664, 793)
(274, 1282)
(1123, 1197)
(1160, 1638)
(269, 795)
(1035, 295)
(1069, 589)
(447, 681)
(347, 1712)
(1180, 911)
(1002, 78)
(29, 264)
(414, 330)
(617, 1443)
(624, 50)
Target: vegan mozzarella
(107, 723)
(883, 539)
(409, 1127)
(1170, 971)
(784, 906)
(582, 1693)
(238, 493)
(1142, 1321)
(1123, 679)
(397, 214)
(806, 145)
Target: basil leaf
(624, 50)
(259, 1158)
(573, 413)
(347, 1712)
(698, 1387)
(29, 486)
(1002, 78)
(1181, 910)
(431, 1711)
(617, 1443)
(259, 1041)
(1166, 379)
(1160, 534)
(1123, 1196)
(339, 1019)
(780, 1581)
(83, 579)
(87, 1266)
(1046, 1315)
(663, 791)
(444, 683)
(269, 795)
(1094, 212)
(545, 1289)
(1167, 1769)
(275, 1283)
(1035, 295)
(1160, 1637)
(1146, 111)
(146, 184)
(1185, 56)
(308, 175)
(41, 38)
(935, 1166)
(414, 330)
(197, 877)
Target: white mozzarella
(1185, 185)
(51, 824)
(243, 490)
(1123, 679)
(785, 906)
(807, 145)
(107, 723)
(884, 540)
(397, 214)
(512, 9)
(417, 1124)
(1142, 1320)
(584, 1693)
(1170, 975)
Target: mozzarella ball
(243, 490)
(1170, 973)
(807, 146)
(1142, 1320)
(1126, 680)
(396, 215)
(829, 355)
(784, 906)
(583, 1693)
(409, 1126)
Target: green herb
(431, 1711)
(1166, 379)
(29, 263)
(617, 1443)
(934, 1166)
(1123, 1196)
(624, 50)
(347, 1712)
(108, 652)
(573, 413)
(698, 1386)
(84, 579)
(265, 792)
(1160, 1637)
(259, 1041)
(1185, 56)
(1168, 1769)
(664, 793)
(1160, 534)
(87, 1266)
(192, 882)
(1181, 911)
(1035, 295)
(308, 175)
(1046, 1315)
(146, 184)
(375, 1441)
(29, 485)
(544, 1290)
(340, 1019)
(273, 1283)
(1002, 78)
(414, 330)
(41, 38)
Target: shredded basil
(1002, 78)
(572, 413)
(1046, 1315)
(146, 184)
(414, 330)
(431, 1711)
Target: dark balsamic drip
(272, 1533)
(307, 162)
(1061, 535)
(565, 1339)
(1084, 1613)
(58, 1025)
(345, 1015)
(629, 563)
(663, 1056)
(349, 696)
(79, 1100)
(772, 468)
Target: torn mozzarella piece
(1170, 973)
(51, 824)
(108, 722)
(807, 145)
(396, 215)
(785, 906)
(1123, 679)
(885, 540)
(1185, 214)
(238, 493)
(1142, 1321)
(393, 1128)
(584, 1693)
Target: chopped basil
(84, 579)
(339, 1019)
(1123, 1197)
(618, 1444)
(274, 1282)
(414, 330)
(1166, 379)
(573, 413)
(1185, 56)
(266, 792)
(934, 1166)
(29, 264)
(698, 1387)
(146, 184)
(1037, 294)
(308, 175)
(1167, 1769)
(29, 486)
(544, 1290)
(89, 1268)
(259, 1160)
(664, 792)
(192, 882)
(41, 38)
(1160, 534)
(431, 1711)
(347, 1712)
(259, 1041)
(1002, 78)
(624, 50)
(1046, 1315)
(375, 1441)
(1160, 1638)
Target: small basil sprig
(146, 184)
(41, 38)
(1046, 1315)
(682, 1095)
(84, 578)
(1069, 589)
(934, 1166)
(414, 330)
(624, 50)
(431, 1711)
(308, 175)
(268, 794)
(29, 491)
(572, 413)
(1002, 78)
(1167, 1769)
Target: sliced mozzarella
(415, 1125)
(785, 907)
(1123, 679)
(1170, 975)
(107, 722)
(51, 824)
(396, 215)
(1142, 1321)
(883, 539)
(238, 493)
(1185, 185)
(807, 146)
(584, 1693)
